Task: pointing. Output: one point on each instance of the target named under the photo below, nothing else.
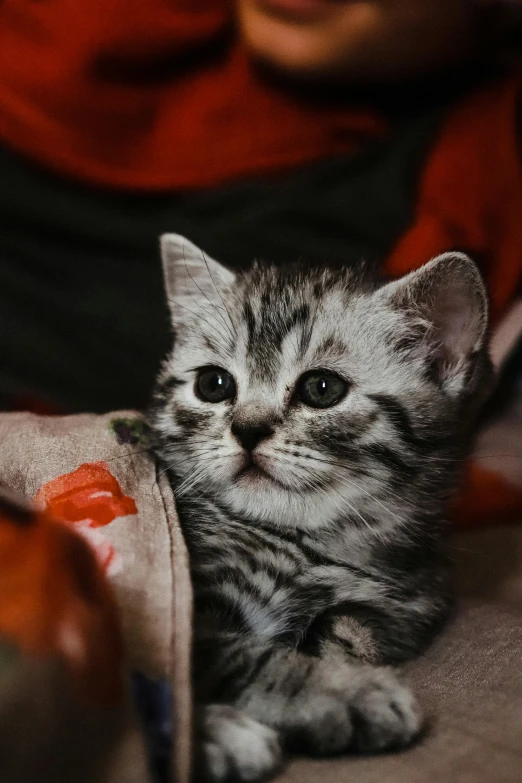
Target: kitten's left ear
(191, 277)
(448, 294)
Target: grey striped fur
(327, 564)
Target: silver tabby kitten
(312, 422)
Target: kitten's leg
(321, 705)
(234, 747)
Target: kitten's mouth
(253, 473)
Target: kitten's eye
(321, 389)
(215, 385)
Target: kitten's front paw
(236, 748)
(362, 709)
(384, 714)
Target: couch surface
(469, 682)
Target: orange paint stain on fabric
(89, 492)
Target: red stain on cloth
(89, 498)
(88, 493)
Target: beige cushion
(151, 582)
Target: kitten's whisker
(189, 482)
(231, 336)
(129, 454)
(319, 482)
(352, 484)
(479, 456)
(367, 494)
(209, 313)
(196, 315)
(227, 327)
(217, 290)
(327, 490)
(194, 478)
(203, 456)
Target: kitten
(313, 422)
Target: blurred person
(327, 130)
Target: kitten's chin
(258, 498)
(261, 499)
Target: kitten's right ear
(192, 279)
(448, 295)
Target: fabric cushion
(94, 473)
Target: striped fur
(326, 561)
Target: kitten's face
(300, 397)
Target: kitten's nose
(250, 434)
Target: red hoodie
(160, 95)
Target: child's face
(357, 39)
